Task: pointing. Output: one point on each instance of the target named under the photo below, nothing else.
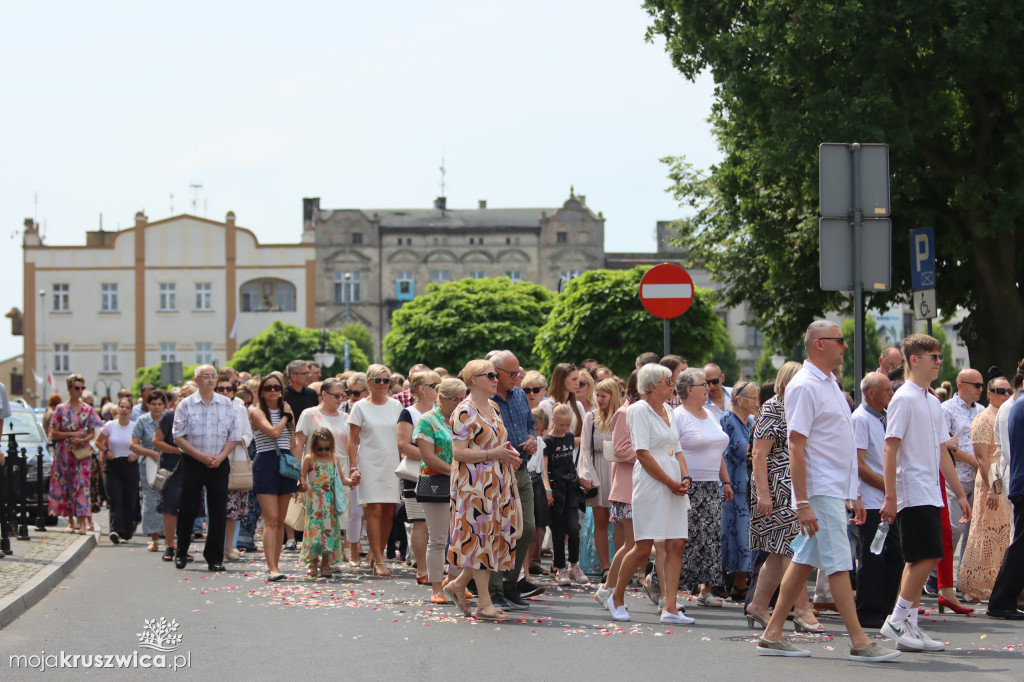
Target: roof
(456, 218)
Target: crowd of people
(668, 477)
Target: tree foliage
(455, 322)
(277, 345)
(872, 349)
(599, 314)
(359, 335)
(939, 82)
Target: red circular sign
(666, 291)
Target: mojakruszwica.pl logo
(158, 635)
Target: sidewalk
(36, 567)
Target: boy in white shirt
(916, 443)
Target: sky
(113, 107)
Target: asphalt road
(236, 626)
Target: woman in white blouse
(120, 472)
(660, 488)
(594, 470)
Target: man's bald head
(969, 385)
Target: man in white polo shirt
(916, 450)
(823, 473)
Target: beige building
(183, 289)
(370, 261)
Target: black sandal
(168, 554)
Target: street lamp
(778, 359)
(42, 329)
(348, 293)
(323, 355)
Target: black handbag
(434, 488)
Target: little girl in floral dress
(322, 538)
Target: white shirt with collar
(958, 418)
(915, 417)
(869, 435)
(816, 408)
(1002, 434)
(726, 404)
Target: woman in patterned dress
(72, 425)
(142, 445)
(991, 518)
(482, 537)
(773, 522)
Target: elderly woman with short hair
(773, 523)
(736, 422)
(703, 444)
(660, 492)
(373, 451)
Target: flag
(234, 329)
(39, 379)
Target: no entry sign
(666, 291)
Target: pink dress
(69, 481)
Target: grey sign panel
(835, 238)
(924, 304)
(834, 180)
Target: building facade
(184, 289)
(370, 261)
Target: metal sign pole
(667, 351)
(858, 284)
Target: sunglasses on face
(272, 387)
(976, 384)
(224, 389)
(339, 396)
(535, 389)
(327, 448)
(936, 357)
(713, 382)
(433, 386)
(354, 394)
(78, 388)
(381, 380)
(491, 376)
(517, 373)
(1002, 391)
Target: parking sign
(922, 259)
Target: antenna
(172, 203)
(35, 206)
(196, 189)
(443, 173)
(101, 221)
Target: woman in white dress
(373, 451)
(660, 487)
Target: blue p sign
(922, 259)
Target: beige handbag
(82, 452)
(240, 477)
(408, 469)
(995, 476)
(608, 450)
(296, 516)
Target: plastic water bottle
(879, 541)
(798, 542)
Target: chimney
(310, 213)
(483, 203)
(441, 203)
(229, 219)
(140, 219)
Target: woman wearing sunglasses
(423, 387)
(355, 390)
(273, 423)
(991, 518)
(373, 450)
(535, 386)
(72, 426)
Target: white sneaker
(679, 606)
(601, 595)
(903, 634)
(577, 574)
(618, 612)
(563, 577)
(927, 642)
(675, 618)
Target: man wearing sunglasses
(719, 397)
(959, 412)
(507, 591)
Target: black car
(29, 434)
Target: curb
(39, 585)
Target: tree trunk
(994, 330)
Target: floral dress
(69, 481)
(482, 534)
(322, 536)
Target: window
(267, 295)
(357, 237)
(399, 241)
(508, 241)
(347, 287)
(566, 275)
(61, 357)
(168, 296)
(723, 315)
(204, 296)
(405, 285)
(514, 275)
(562, 237)
(471, 241)
(204, 353)
(108, 357)
(477, 274)
(168, 352)
(108, 298)
(754, 336)
(61, 298)
(480, 240)
(441, 276)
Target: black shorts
(265, 477)
(920, 533)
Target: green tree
(872, 349)
(359, 335)
(948, 371)
(455, 322)
(151, 375)
(726, 358)
(939, 82)
(599, 314)
(277, 345)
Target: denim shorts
(265, 477)
(829, 549)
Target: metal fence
(22, 503)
